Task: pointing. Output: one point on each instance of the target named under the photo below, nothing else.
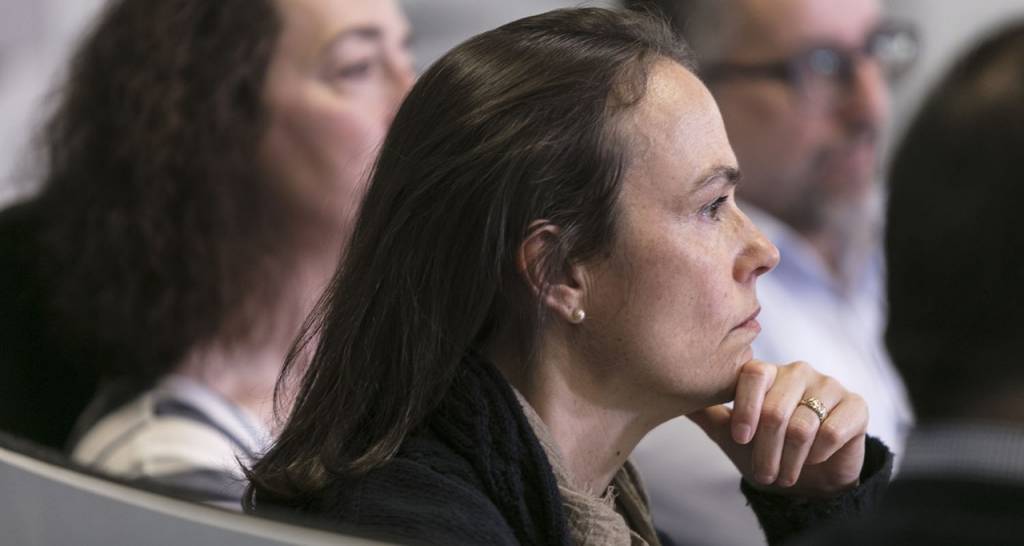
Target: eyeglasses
(828, 71)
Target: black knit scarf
(482, 421)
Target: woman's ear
(561, 286)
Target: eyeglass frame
(795, 69)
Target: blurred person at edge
(953, 244)
(205, 161)
(802, 89)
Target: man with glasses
(802, 86)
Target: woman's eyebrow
(364, 32)
(731, 175)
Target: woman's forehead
(322, 21)
(676, 132)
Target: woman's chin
(746, 355)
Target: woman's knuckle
(800, 432)
(756, 370)
(773, 417)
(801, 367)
(831, 433)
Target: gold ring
(816, 406)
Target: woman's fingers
(779, 403)
(805, 428)
(790, 447)
(847, 420)
(755, 379)
(714, 421)
(844, 467)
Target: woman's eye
(354, 71)
(712, 209)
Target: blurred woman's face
(338, 74)
(671, 306)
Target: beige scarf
(620, 517)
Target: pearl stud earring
(578, 315)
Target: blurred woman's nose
(758, 257)
(402, 77)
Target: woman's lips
(751, 322)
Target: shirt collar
(242, 425)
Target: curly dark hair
(161, 230)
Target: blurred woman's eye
(354, 71)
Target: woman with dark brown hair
(203, 166)
(549, 262)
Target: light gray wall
(35, 37)
(947, 28)
(442, 24)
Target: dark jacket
(938, 511)
(475, 473)
(46, 372)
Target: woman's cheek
(352, 140)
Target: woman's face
(338, 74)
(669, 307)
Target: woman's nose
(758, 257)
(404, 78)
(401, 77)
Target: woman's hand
(781, 445)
